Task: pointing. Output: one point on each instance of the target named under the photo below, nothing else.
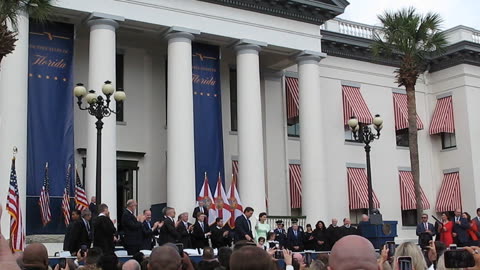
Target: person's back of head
(411, 250)
(35, 256)
(165, 258)
(251, 258)
(224, 254)
(93, 256)
(353, 252)
(208, 253)
(130, 265)
(108, 262)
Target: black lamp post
(99, 107)
(366, 136)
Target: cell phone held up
(404, 263)
(391, 248)
(458, 258)
(83, 250)
(62, 263)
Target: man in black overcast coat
(132, 228)
(104, 231)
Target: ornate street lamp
(99, 107)
(366, 136)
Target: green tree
(9, 14)
(414, 38)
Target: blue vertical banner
(50, 120)
(207, 108)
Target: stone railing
(476, 37)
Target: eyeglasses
(424, 217)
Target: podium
(378, 234)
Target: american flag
(66, 198)
(17, 231)
(81, 201)
(44, 201)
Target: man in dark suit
(150, 229)
(425, 232)
(200, 209)
(81, 233)
(333, 232)
(93, 206)
(184, 229)
(460, 228)
(347, 229)
(201, 232)
(68, 232)
(295, 237)
(220, 234)
(477, 218)
(280, 234)
(132, 228)
(168, 232)
(104, 231)
(243, 226)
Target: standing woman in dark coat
(320, 235)
(309, 242)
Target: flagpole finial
(205, 174)
(46, 164)
(15, 151)
(218, 173)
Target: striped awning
(400, 107)
(295, 185)
(358, 189)
(235, 168)
(291, 84)
(355, 106)
(407, 192)
(442, 120)
(449, 197)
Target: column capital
(247, 44)
(309, 56)
(97, 18)
(181, 32)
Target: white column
(180, 136)
(314, 182)
(13, 119)
(250, 132)
(101, 68)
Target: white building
(263, 44)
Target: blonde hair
(412, 250)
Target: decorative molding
(404, 169)
(444, 95)
(452, 170)
(351, 84)
(83, 152)
(399, 91)
(355, 165)
(309, 11)
(294, 162)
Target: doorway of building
(127, 185)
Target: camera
(458, 258)
(278, 254)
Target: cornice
(309, 11)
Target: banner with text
(207, 107)
(50, 120)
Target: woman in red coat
(446, 230)
(473, 230)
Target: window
(293, 127)
(402, 137)
(409, 217)
(356, 215)
(448, 140)
(119, 75)
(233, 100)
(349, 134)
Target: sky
(453, 12)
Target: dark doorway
(127, 185)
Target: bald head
(35, 256)
(131, 265)
(165, 258)
(353, 252)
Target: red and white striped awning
(407, 192)
(400, 107)
(291, 84)
(449, 197)
(442, 120)
(354, 105)
(235, 168)
(358, 189)
(295, 185)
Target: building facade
(290, 75)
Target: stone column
(13, 118)
(250, 132)
(312, 150)
(180, 134)
(100, 69)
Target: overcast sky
(454, 12)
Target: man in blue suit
(425, 232)
(295, 237)
(460, 228)
(243, 226)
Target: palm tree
(9, 12)
(413, 38)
